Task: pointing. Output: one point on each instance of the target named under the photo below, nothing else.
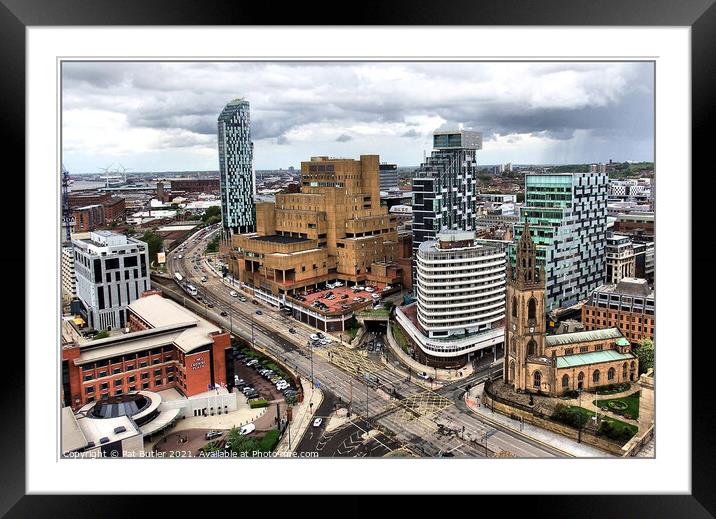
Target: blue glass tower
(238, 211)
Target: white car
(247, 429)
(317, 422)
(314, 337)
(283, 386)
(234, 293)
(375, 296)
(326, 341)
(423, 375)
(337, 284)
(369, 289)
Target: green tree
(645, 354)
(101, 335)
(154, 244)
(211, 212)
(213, 245)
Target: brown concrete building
(553, 364)
(635, 223)
(334, 228)
(113, 206)
(628, 305)
(114, 209)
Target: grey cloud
(411, 133)
(343, 138)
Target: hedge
(259, 402)
(268, 442)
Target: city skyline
(163, 116)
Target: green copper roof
(593, 335)
(594, 357)
(622, 342)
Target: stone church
(553, 364)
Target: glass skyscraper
(444, 187)
(567, 213)
(238, 211)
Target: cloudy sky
(162, 116)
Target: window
(131, 379)
(118, 382)
(624, 370)
(89, 390)
(532, 309)
(145, 376)
(595, 376)
(104, 385)
(514, 306)
(531, 347)
(611, 373)
(537, 379)
(565, 381)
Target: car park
(317, 422)
(212, 434)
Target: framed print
(423, 258)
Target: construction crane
(66, 216)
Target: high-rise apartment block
(444, 186)
(388, 176)
(567, 213)
(112, 270)
(238, 186)
(67, 277)
(460, 307)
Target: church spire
(527, 271)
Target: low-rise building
(627, 305)
(88, 218)
(167, 346)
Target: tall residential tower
(567, 213)
(236, 168)
(444, 186)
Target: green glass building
(567, 213)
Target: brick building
(167, 346)
(88, 218)
(554, 364)
(195, 185)
(628, 305)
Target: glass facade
(238, 211)
(567, 214)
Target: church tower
(525, 328)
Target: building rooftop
(628, 286)
(593, 335)
(72, 436)
(594, 357)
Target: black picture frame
(700, 15)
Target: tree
(645, 354)
(154, 244)
(101, 335)
(388, 305)
(213, 211)
(213, 245)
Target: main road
(429, 423)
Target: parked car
(223, 313)
(314, 337)
(259, 312)
(320, 335)
(247, 429)
(248, 389)
(423, 375)
(283, 386)
(212, 434)
(317, 422)
(252, 394)
(292, 330)
(234, 293)
(369, 289)
(252, 362)
(242, 299)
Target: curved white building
(460, 309)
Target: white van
(247, 429)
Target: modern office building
(444, 186)
(335, 228)
(112, 270)
(620, 258)
(554, 364)
(388, 176)
(238, 185)
(644, 261)
(567, 213)
(628, 305)
(460, 306)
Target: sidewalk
(439, 375)
(302, 415)
(536, 434)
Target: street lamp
(310, 348)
